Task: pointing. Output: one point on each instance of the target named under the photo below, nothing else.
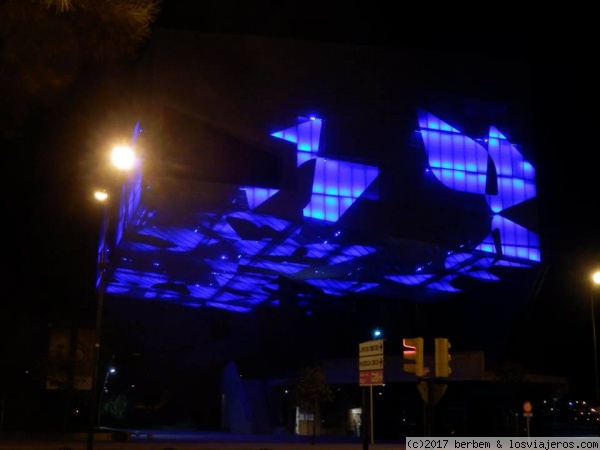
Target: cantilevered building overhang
(332, 169)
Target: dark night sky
(50, 274)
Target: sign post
(370, 373)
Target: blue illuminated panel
(409, 280)
(306, 135)
(320, 250)
(130, 192)
(443, 285)
(461, 163)
(516, 241)
(257, 195)
(458, 161)
(482, 275)
(233, 256)
(456, 260)
(516, 177)
(101, 255)
(130, 197)
(338, 287)
(336, 184)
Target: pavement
(184, 440)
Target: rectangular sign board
(370, 348)
(371, 377)
(370, 362)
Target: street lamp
(594, 285)
(109, 371)
(123, 158)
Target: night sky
(50, 163)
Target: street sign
(370, 348)
(437, 391)
(371, 377)
(370, 362)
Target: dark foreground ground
(156, 439)
(174, 440)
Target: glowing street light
(101, 196)
(122, 158)
(109, 371)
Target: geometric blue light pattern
(235, 255)
(336, 184)
(463, 164)
(458, 161)
(516, 177)
(130, 197)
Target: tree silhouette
(310, 391)
(47, 45)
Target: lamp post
(109, 371)
(594, 286)
(123, 158)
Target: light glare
(101, 196)
(123, 157)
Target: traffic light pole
(426, 407)
(430, 388)
(431, 408)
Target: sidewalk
(174, 440)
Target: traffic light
(442, 357)
(413, 355)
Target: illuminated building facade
(231, 253)
(302, 194)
